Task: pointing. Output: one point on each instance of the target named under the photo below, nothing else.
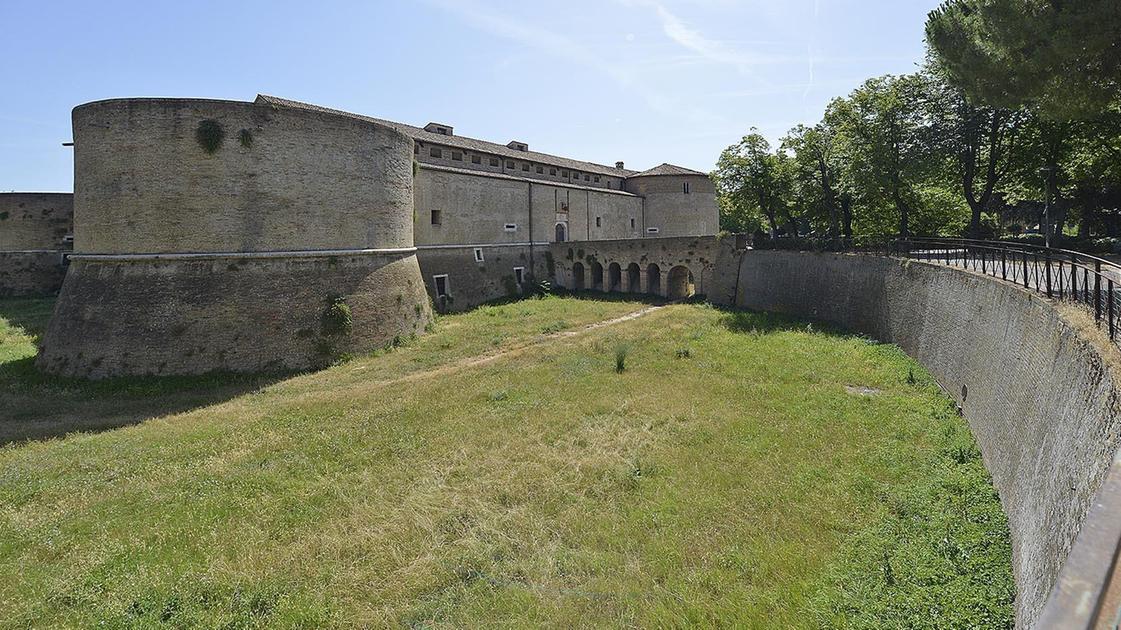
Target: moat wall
(193, 255)
(1041, 401)
(33, 242)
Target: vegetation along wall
(34, 238)
(222, 235)
(1040, 397)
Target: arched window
(560, 233)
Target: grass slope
(725, 476)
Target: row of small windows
(457, 156)
(438, 219)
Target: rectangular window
(651, 230)
(519, 275)
(436, 217)
(685, 187)
(457, 156)
(564, 173)
(587, 177)
(553, 172)
(494, 161)
(525, 166)
(599, 222)
(510, 227)
(540, 170)
(441, 283)
(509, 164)
(416, 148)
(435, 152)
(478, 254)
(476, 159)
(632, 223)
(597, 179)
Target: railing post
(1097, 291)
(1109, 285)
(1003, 265)
(982, 261)
(1060, 278)
(1047, 271)
(1025, 254)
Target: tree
(753, 181)
(814, 168)
(1063, 56)
(887, 143)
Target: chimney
(619, 165)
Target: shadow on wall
(40, 406)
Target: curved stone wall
(34, 227)
(217, 235)
(673, 212)
(1040, 398)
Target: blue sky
(644, 81)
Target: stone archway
(597, 276)
(653, 279)
(561, 232)
(679, 283)
(614, 277)
(634, 279)
(577, 277)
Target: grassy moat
(741, 470)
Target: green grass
(743, 470)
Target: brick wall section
(33, 231)
(192, 317)
(306, 181)
(673, 212)
(1041, 401)
(309, 180)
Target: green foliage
(621, 352)
(754, 185)
(1058, 56)
(245, 137)
(209, 135)
(3, 215)
(336, 318)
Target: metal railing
(1059, 274)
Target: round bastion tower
(677, 201)
(223, 235)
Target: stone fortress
(273, 235)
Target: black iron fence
(1059, 274)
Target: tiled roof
(668, 169)
(463, 142)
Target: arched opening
(634, 283)
(614, 277)
(653, 279)
(679, 283)
(577, 277)
(597, 276)
(560, 233)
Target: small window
(519, 275)
(435, 152)
(587, 177)
(540, 170)
(441, 283)
(494, 161)
(525, 166)
(553, 172)
(476, 159)
(610, 184)
(575, 175)
(510, 227)
(437, 216)
(416, 148)
(478, 254)
(457, 156)
(69, 238)
(597, 179)
(632, 223)
(651, 230)
(564, 173)
(685, 187)
(599, 221)
(509, 164)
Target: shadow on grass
(758, 322)
(34, 405)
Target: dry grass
(725, 485)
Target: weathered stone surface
(1042, 402)
(33, 239)
(247, 315)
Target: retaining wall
(1042, 402)
(33, 242)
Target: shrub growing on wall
(336, 319)
(209, 135)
